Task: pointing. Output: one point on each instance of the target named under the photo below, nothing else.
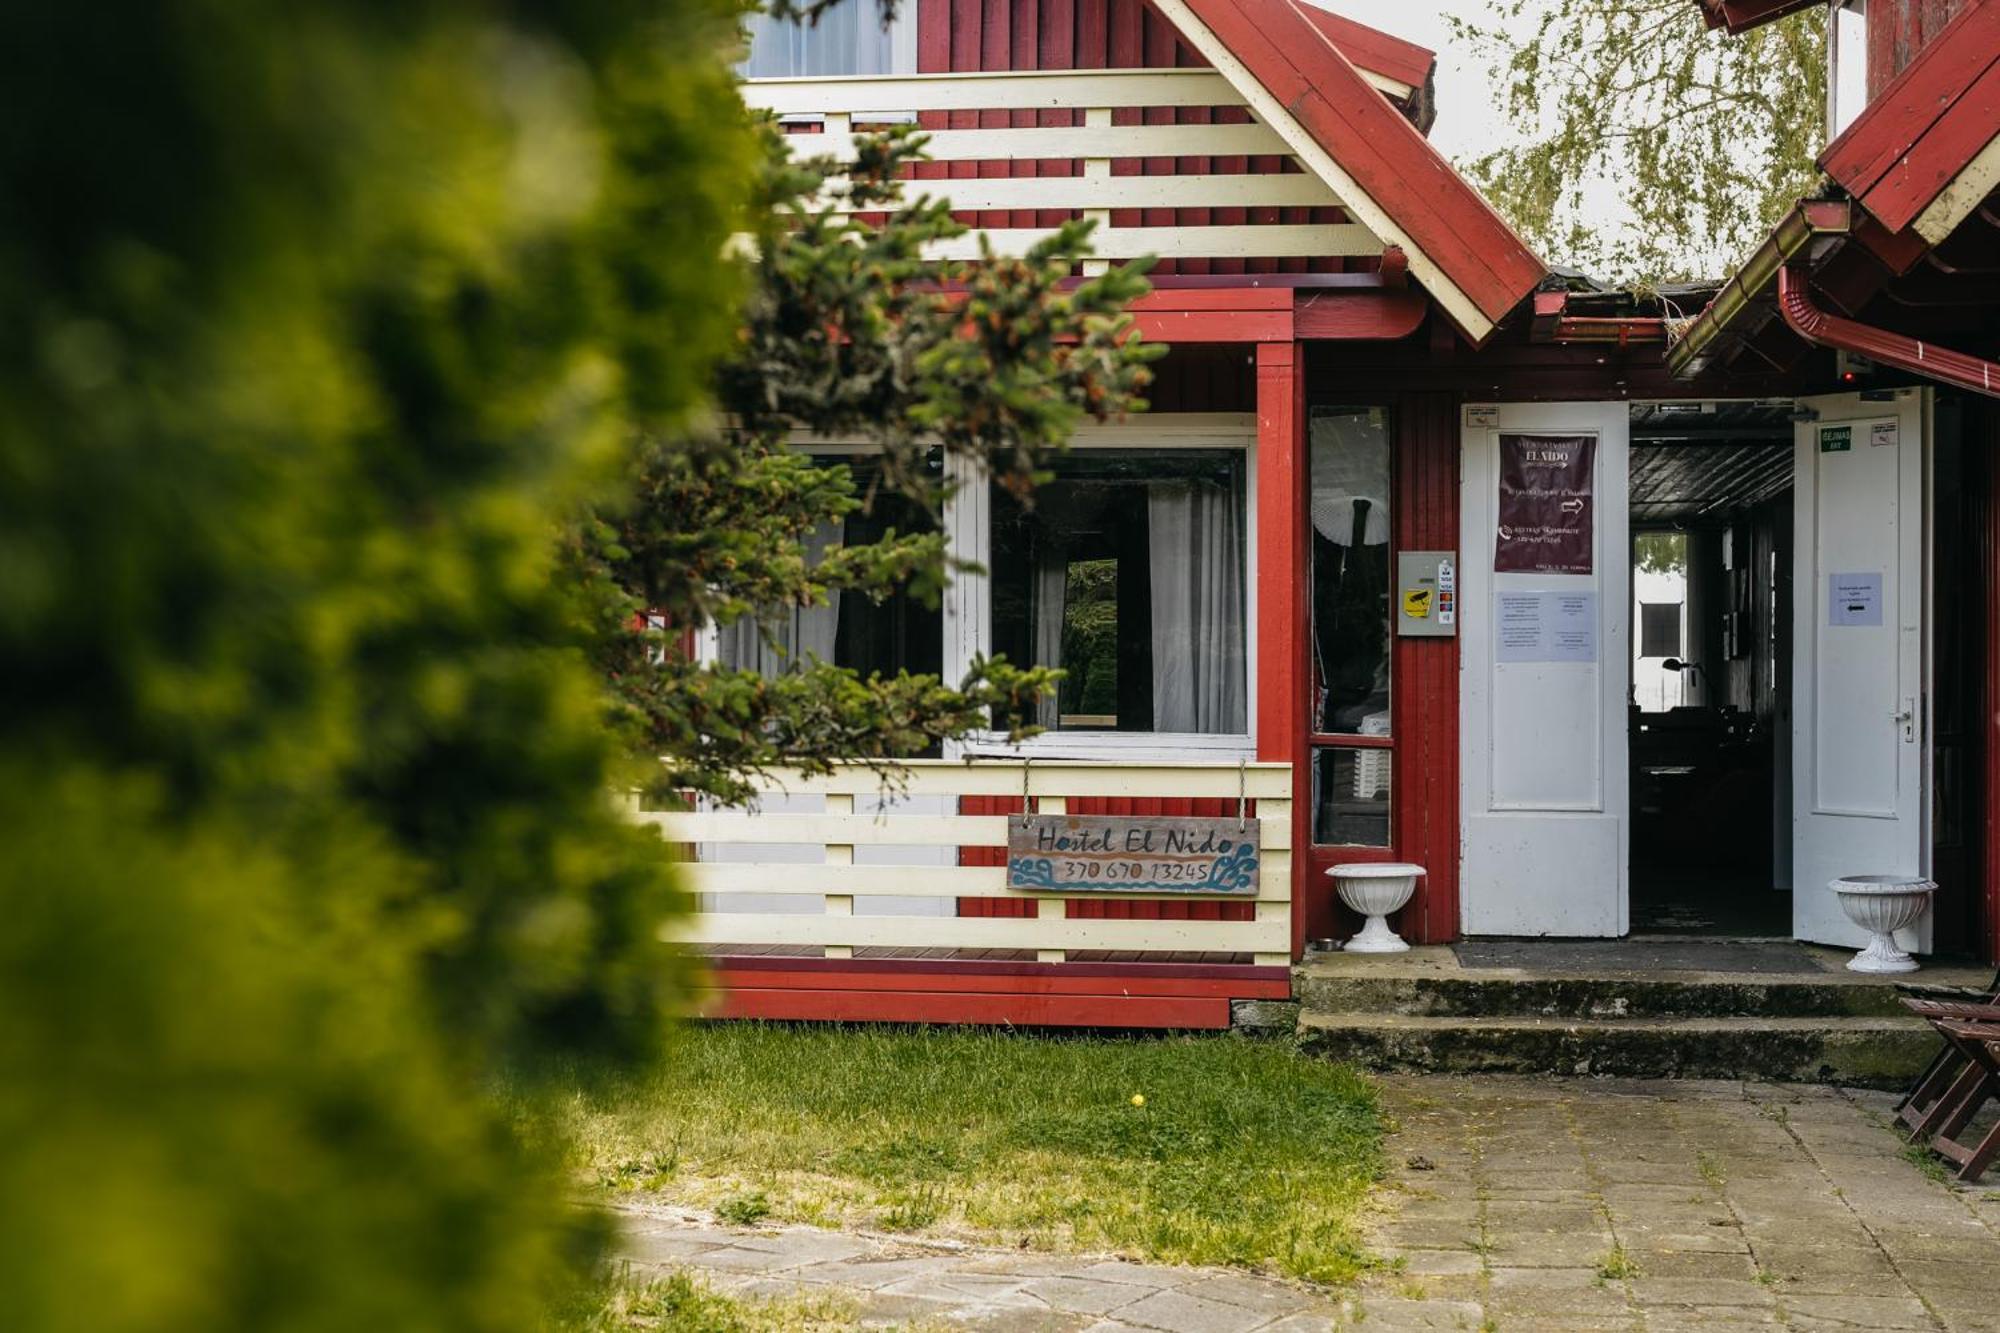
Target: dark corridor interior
(1710, 717)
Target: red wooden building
(1363, 353)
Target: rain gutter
(1880, 345)
(1810, 220)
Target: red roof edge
(1923, 129)
(1374, 50)
(1743, 15)
(1296, 61)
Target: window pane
(896, 634)
(1350, 570)
(848, 38)
(1351, 797)
(1128, 573)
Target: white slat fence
(838, 881)
(841, 104)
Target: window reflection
(1128, 573)
(1351, 797)
(1350, 570)
(897, 634)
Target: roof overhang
(1903, 252)
(1743, 15)
(1296, 79)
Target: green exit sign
(1836, 439)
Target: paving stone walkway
(1511, 1204)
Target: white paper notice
(1883, 434)
(1572, 626)
(1854, 599)
(1518, 630)
(1545, 626)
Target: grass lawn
(1208, 1150)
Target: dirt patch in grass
(1210, 1150)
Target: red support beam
(1281, 591)
(862, 1006)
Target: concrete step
(1859, 1051)
(1605, 996)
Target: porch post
(1281, 590)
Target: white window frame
(968, 620)
(967, 603)
(902, 60)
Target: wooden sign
(1132, 854)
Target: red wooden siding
(1028, 994)
(1899, 31)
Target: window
(897, 634)
(1349, 516)
(1127, 571)
(1350, 570)
(849, 38)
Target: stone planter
(1375, 889)
(1882, 905)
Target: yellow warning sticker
(1417, 603)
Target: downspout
(1890, 349)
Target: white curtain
(1051, 594)
(1195, 541)
(799, 632)
(849, 38)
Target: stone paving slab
(1510, 1203)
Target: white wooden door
(1542, 731)
(1860, 647)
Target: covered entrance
(1695, 668)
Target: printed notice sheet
(1545, 626)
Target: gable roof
(1286, 63)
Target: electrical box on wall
(1427, 594)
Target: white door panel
(1859, 770)
(1543, 742)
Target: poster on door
(1545, 504)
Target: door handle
(1906, 717)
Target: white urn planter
(1882, 905)
(1375, 889)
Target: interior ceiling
(1703, 460)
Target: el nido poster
(1545, 504)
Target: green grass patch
(1616, 1266)
(1242, 1152)
(681, 1303)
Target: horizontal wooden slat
(864, 830)
(733, 826)
(1052, 777)
(1300, 240)
(1056, 90)
(864, 881)
(1270, 934)
(1032, 143)
(1080, 192)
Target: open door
(1860, 653)
(1545, 669)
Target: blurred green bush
(320, 318)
